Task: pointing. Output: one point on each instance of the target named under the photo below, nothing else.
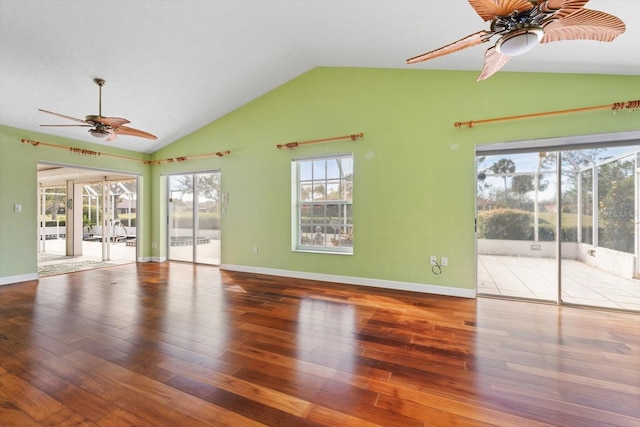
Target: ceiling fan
(522, 24)
(107, 128)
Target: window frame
(344, 207)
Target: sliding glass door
(560, 226)
(109, 219)
(194, 217)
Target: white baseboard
(158, 258)
(362, 281)
(146, 259)
(17, 279)
(350, 280)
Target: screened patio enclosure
(120, 201)
(560, 225)
(86, 218)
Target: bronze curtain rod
(294, 145)
(91, 153)
(616, 106)
(185, 158)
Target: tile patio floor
(536, 278)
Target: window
(322, 194)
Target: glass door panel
(180, 218)
(95, 220)
(208, 218)
(122, 196)
(194, 217)
(600, 227)
(516, 225)
(98, 213)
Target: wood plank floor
(172, 344)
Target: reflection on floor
(536, 278)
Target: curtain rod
(91, 153)
(185, 158)
(616, 106)
(294, 145)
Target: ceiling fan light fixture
(97, 133)
(520, 41)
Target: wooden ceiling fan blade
(109, 121)
(489, 9)
(468, 41)
(555, 4)
(124, 130)
(63, 116)
(584, 24)
(567, 7)
(493, 62)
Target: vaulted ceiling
(171, 67)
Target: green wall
(414, 186)
(18, 185)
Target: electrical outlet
(444, 262)
(255, 250)
(432, 260)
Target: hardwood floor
(174, 344)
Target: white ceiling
(171, 67)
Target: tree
(522, 184)
(503, 167)
(320, 191)
(616, 203)
(208, 185)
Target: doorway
(194, 217)
(87, 219)
(560, 224)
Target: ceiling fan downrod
(100, 83)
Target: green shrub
(505, 224)
(546, 233)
